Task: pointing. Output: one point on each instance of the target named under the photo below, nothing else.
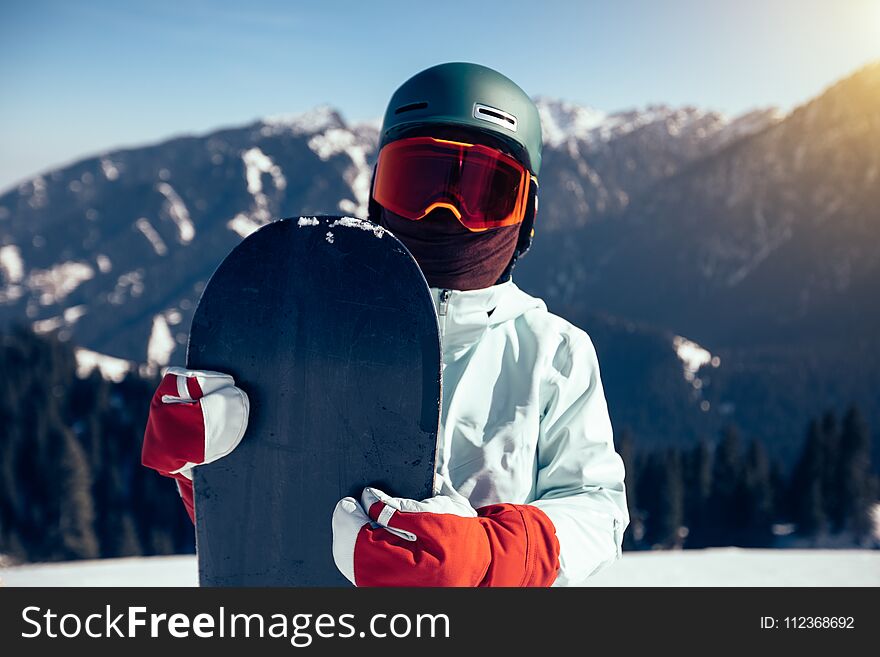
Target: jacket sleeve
(580, 478)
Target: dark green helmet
(471, 96)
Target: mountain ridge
(680, 222)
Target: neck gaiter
(449, 255)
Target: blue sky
(78, 77)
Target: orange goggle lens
(482, 186)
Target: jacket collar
(464, 316)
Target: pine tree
(698, 488)
(75, 511)
(9, 497)
(759, 497)
(635, 529)
(806, 491)
(779, 490)
(725, 512)
(670, 516)
(831, 472)
(71, 483)
(662, 491)
(648, 482)
(857, 484)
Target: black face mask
(449, 255)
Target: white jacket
(524, 421)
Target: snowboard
(328, 325)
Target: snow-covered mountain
(757, 230)
(764, 250)
(705, 130)
(770, 237)
(599, 162)
(115, 249)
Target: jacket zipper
(444, 300)
(441, 311)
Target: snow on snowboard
(328, 324)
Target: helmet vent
(494, 115)
(410, 107)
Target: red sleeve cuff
(525, 550)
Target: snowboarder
(530, 488)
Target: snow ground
(743, 567)
(715, 567)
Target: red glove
(196, 417)
(442, 541)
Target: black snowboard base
(328, 325)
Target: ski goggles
(483, 187)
